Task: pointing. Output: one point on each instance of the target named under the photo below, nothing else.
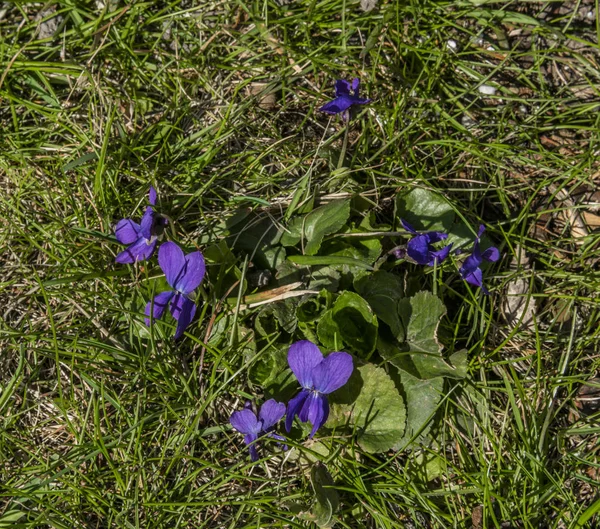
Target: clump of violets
(246, 422)
(344, 99)
(319, 376)
(420, 247)
(141, 238)
(470, 271)
(184, 273)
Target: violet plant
(379, 409)
(420, 247)
(184, 273)
(470, 271)
(246, 422)
(344, 99)
(141, 238)
(318, 376)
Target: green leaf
(309, 313)
(285, 317)
(428, 466)
(421, 316)
(420, 353)
(324, 277)
(425, 209)
(351, 324)
(377, 414)
(327, 499)
(313, 227)
(329, 260)
(382, 291)
(310, 308)
(261, 240)
(422, 400)
(223, 272)
(269, 366)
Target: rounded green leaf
(425, 209)
(422, 401)
(382, 291)
(313, 227)
(351, 324)
(376, 410)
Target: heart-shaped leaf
(377, 413)
(425, 210)
(419, 351)
(313, 227)
(350, 324)
(382, 291)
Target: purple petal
(470, 265)
(183, 310)
(408, 227)
(333, 372)
(161, 301)
(475, 278)
(480, 231)
(355, 85)
(436, 236)
(339, 104)
(127, 231)
(492, 254)
(303, 357)
(250, 439)
(192, 273)
(342, 88)
(360, 101)
(147, 223)
(278, 438)
(318, 411)
(152, 196)
(418, 249)
(439, 255)
(244, 421)
(138, 251)
(305, 410)
(271, 413)
(294, 406)
(172, 260)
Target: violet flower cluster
(184, 273)
(420, 249)
(319, 376)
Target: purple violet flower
(419, 248)
(142, 238)
(344, 99)
(246, 422)
(470, 270)
(318, 377)
(184, 274)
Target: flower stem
(344, 146)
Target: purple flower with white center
(344, 99)
(184, 274)
(142, 238)
(246, 422)
(470, 270)
(420, 249)
(318, 377)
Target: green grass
(101, 426)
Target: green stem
(344, 146)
